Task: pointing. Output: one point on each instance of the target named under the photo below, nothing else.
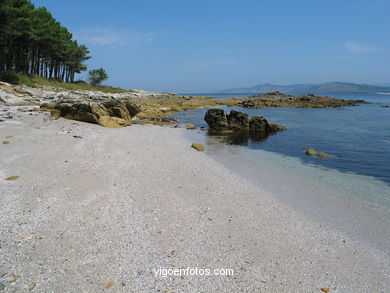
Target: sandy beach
(102, 210)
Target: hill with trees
(325, 88)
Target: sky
(207, 45)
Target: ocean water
(357, 137)
(350, 191)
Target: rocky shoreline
(277, 99)
(123, 109)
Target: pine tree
(33, 42)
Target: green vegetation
(96, 76)
(39, 82)
(33, 42)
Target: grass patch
(35, 81)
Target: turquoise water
(358, 137)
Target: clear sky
(207, 45)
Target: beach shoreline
(97, 208)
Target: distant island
(329, 87)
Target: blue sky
(202, 46)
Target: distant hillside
(329, 87)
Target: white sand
(107, 209)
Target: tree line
(32, 41)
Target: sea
(349, 191)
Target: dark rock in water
(310, 151)
(277, 99)
(216, 118)
(387, 106)
(313, 152)
(236, 128)
(237, 120)
(259, 123)
(276, 127)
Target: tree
(32, 41)
(96, 76)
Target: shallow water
(358, 137)
(350, 191)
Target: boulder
(276, 127)
(258, 126)
(199, 147)
(216, 118)
(118, 109)
(133, 108)
(310, 151)
(237, 120)
(112, 113)
(313, 152)
(259, 123)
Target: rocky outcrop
(216, 118)
(277, 99)
(257, 126)
(259, 123)
(237, 120)
(133, 108)
(111, 113)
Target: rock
(133, 108)
(118, 109)
(277, 99)
(276, 127)
(199, 147)
(237, 120)
(9, 99)
(190, 126)
(386, 106)
(310, 152)
(216, 118)
(111, 113)
(313, 152)
(259, 123)
(238, 128)
(323, 155)
(86, 112)
(31, 286)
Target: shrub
(9, 77)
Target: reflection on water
(238, 137)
